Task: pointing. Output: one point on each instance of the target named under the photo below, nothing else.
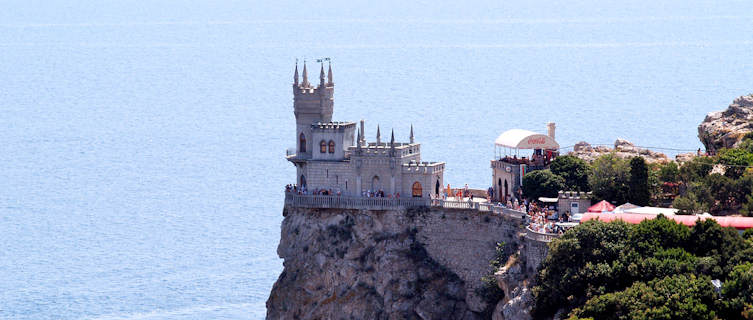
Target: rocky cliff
(404, 264)
(724, 129)
(622, 149)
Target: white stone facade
(333, 156)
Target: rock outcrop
(622, 148)
(361, 264)
(514, 280)
(725, 129)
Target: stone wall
(389, 264)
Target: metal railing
(348, 202)
(480, 206)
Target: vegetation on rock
(657, 269)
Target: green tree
(574, 170)
(737, 160)
(542, 183)
(609, 178)
(696, 169)
(677, 297)
(697, 199)
(669, 172)
(639, 189)
(738, 292)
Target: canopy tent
(524, 139)
(652, 210)
(624, 207)
(739, 223)
(601, 206)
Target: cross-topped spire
(412, 140)
(295, 75)
(379, 136)
(329, 75)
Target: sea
(142, 143)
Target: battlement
(333, 125)
(423, 167)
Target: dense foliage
(573, 170)
(609, 178)
(727, 189)
(638, 186)
(657, 269)
(542, 183)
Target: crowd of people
(303, 190)
(545, 220)
(539, 218)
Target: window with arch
(416, 190)
(331, 146)
(302, 142)
(322, 147)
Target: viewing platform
(384, 203)
(381, 203)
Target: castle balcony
(347, 202)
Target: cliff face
(724, 129)
(359, 264)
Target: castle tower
(310, 105)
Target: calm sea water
(141, 143)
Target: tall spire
(295, 75)
(321, 76)
(305, 83)
(329, 75)
(392, 143)
(412, 140)
(358, 142)
(379, 136)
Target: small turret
(305, 83)
(412, 140)
(329, 75)
(295, 75)
(379, 136)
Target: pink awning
(740, 223)
(601, 206)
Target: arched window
(331, 146)
(416, 190)
(322, 147)
(302, 140)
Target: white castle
(331, 156)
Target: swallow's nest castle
(330, 155)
